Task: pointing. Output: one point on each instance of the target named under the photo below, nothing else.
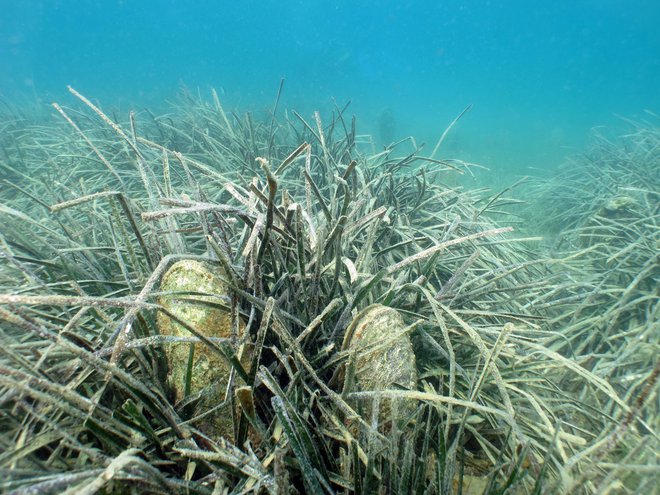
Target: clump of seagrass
(604, 214)
(381, 357)
(194, 293)
(332, 230)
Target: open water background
(540, 75)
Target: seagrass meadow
(212, 302)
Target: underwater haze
(540, 75)
(225, 268)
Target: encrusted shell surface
(209, 370)
(619, 205)
(621, 209)
(382, 358)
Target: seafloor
(208, 301)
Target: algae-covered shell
(209, 369)
(619, 205)
(381, 357)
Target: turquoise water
(539, 74)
